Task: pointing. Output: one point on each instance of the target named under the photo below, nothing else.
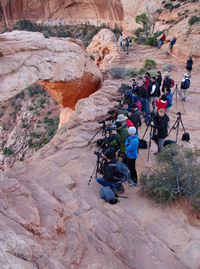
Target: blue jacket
(132, 143)
(169, 100)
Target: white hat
(121, 118)
(131, 130)
(186, 75)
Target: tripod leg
(145, 132)
(94, 136)
(173, 127)
(182, 125)
(150, 135)
(177, 131)
(180, 95)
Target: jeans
(105, 183)
(159, 44)
(160, 144)
(144, 103)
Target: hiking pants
(105, 183)
(161, 144)
(131, 166)
(144, 103)
(160, 44)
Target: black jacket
(143, 92)
(155, 93)
(159, 80)
(109, 172)
(160, 124)
(166, 84)
(135, 118)
(189, 64)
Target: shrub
(92, 57)
(151, 41)
(3, 143)
(141, 40)
(118, 72)
(159, 10)
(7, 151)
(131, 72)
(138, 31)
(141, 71)
(149, 63)
(123, 87)
(4, 127)
(177, 174)
(46, 34)
(168, 5)
(30, 108)
(45, 120)
(193, 20)
(1, 114)
(177, 5)
(34, 134)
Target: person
(185, 84)
(189, 66)
(132, 143)
(159, 82)
(126, 45)
(160, 125)
(124, 120)
(166, 82)
(172, 42)
(108, 178)
(161, 41)
(120, 137)
(121, 39)
(134, 116)
(147, 81)
(143, 96)
(169, 96)
(153, 92)
(162, 103)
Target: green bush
(46, 34)
(45, 120)
(177, 174)
(168, 5)
(138, 31)
(7, 151)
(177, 5)
(30, 108)
(151, 41)
(149, 63)
(193, 20)
(123, 87)
(141, 71)
(92, 57)
(4, 127)
(131, 72)
(118, 72)
(34, 134)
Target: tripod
(97, 168)
(150, 138)
(177, 92)
(176, 125)
(101, 129)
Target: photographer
(160, 124)
(120, 137)
(109, 177)
(134, 116)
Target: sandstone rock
(60, 66)
(104, 48)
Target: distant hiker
(189, 65)
(161, 41)
(126, 45)
(185, 84)
(172, 42)
(121, 39)
(166, 82)
(159, 82)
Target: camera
(178, 113)
(111, 128)
(101, 121)
(98, 153)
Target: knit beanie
(131, 130)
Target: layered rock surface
(60, 65)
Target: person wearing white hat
(185, 84)
(132, 143)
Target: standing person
(189, 65)
(161, 41)
(166, 82)
(143, 96)
(185, 84)
(159, 82)
(121, 39)
(160, 124)
(134, 116)
(126, 45)
(153, 92)
(169, 96)
(162, 103)
(172, 42)
(132, 143)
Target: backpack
(108, 195)
(172, 83)
(123, 173)
(186, 137)
(142, 144)
(185, 84)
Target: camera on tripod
(98, 154)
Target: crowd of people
(147, 101)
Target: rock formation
(86, 10)
(60, 65)
(104, 48)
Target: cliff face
(110, 10)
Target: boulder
(61, 66)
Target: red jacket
(161, 104)
(163, 37)
(129, 123)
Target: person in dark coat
(166, 82)
(161, 128)
(126, 45)
(189, 66)
(134, 116)
(172, 42)
(159, 82)
(153, 92)
(143, 96)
